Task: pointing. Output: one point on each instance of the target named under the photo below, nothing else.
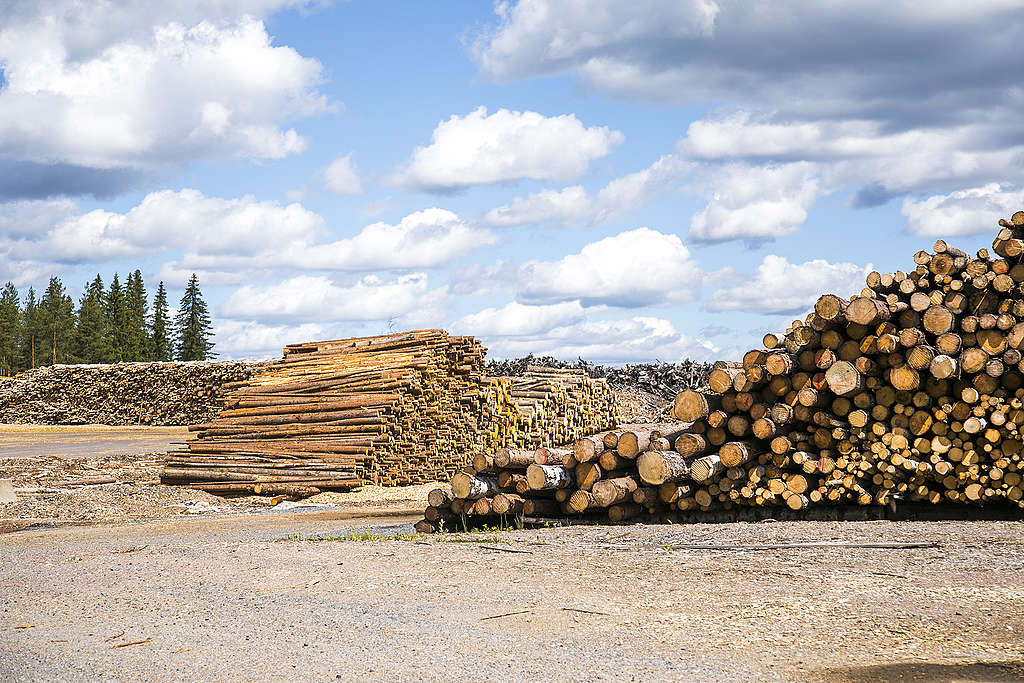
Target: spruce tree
(10, 329)
(136, 339)
(30, 343)
(159, 341)
(116, 314)
(56, 323)
(91, 337)
(193, 326)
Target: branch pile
(660, 379)
(395, 409)
(911, 390)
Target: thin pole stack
(394, 409)
(545, 406)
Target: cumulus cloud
(341, 177)
(78, 105)
(930, 109)
(639, 338)
(755, 203)
(808, 56)
(575, 205)
(252, 339)
(965, 212)
(783, 287)
(225, 239)
(636, 268)
(517, 320)
(506, 146)
(316, 297)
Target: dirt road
(26, 441)
(243, 598)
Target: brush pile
(911, 390)
(390, 410)
(660, 379)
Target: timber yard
(843, 503)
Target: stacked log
(390, 410)
(910, 390)
(598, 476)
(544, 406)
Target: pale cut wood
(658, 467)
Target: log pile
(910, 390)
(120, 394)
(543, 407)
(598, 476)
(390, 410)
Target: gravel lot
(249, 597)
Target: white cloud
(477, 279)
(480, 149)
(575, 205)
(307, 297)
(537, 36)
(783, 287)
(341, 177)
(226, 239)
(635, 268)
(251, 339)
(965, 212)
(424, 239)
(99, 87)
(932, 109)
(516, 320)
(634, 339)
(756, 202)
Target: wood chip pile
(911, 390)
(396, 409)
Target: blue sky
(617, 181)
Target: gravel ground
(251, 597)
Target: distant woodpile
(173, 393)
(910, 391)
(395, 409)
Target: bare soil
(253, 598)
(75, 487)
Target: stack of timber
(599, 476)
(911, 390)
(393, 409)
(543, 407)
(390, 410)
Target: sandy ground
(253, 598)
(131, 580)
(106, 474)
(27, 441)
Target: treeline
(110, 325)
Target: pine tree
(10, 329)
(56, 315)
(30, 343)
(159, 342)
(116, 314)
(193, 325)
(91, 337)
(136, 339)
